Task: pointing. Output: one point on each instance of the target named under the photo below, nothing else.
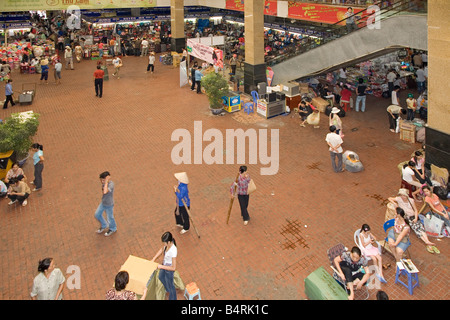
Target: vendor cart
(28, 93)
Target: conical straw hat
(182, 177)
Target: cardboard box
(304, 87)
(139, 270)
(407, 131)
(319, 103)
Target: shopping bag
(251, 186)
(433, 226)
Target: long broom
(189, 214)
(232, 199)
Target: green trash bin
(320, 285)
(105, 70)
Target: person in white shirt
(408, 175)
(151, 62)
(420, 79)
(424, 59)
(117, 62)
(167, 269)
(144, 45)
(391, 76)
(335, 143)
(394, 96)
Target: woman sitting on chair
(369, 248)
(408, 175)
(398, 236)
(437, 208)
(407, 204)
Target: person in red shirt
(346, 95)
(98, 81)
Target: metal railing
(339, 29)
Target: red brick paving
(128, 132)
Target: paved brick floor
(296, 215)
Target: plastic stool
(248, 107)
(412, 277)
(191, 291)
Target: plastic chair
(359, 245)
(191, 291)
(406, 185)
(332, 253)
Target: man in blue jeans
(107, 205)
(361, 95)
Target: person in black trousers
(242, 192)
(193, 76)
(98, 81)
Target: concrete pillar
(437, 139)
(254, 66)
(178, 41)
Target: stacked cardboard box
(407, 131)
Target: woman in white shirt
(167, 269)
(49, 283)
(408, 175)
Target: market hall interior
(297, 214)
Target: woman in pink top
(369, 248)
(437, 208)
(14, 172)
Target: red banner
(270, 6)
(317, 12)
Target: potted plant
(215, 88)
(16, 133)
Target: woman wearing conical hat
(182, 193)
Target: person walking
(98, 81)
(68, 56)
(117, 62)
(335, 143)
(144, 45)
(57, 72)
(100, 49)
(107, 205)
(9, 94)
(198, 79)
(335, 120)
(233, 63)
(169, 265)
(151, 62)
(38, 161)
(49, 283)
(182, 193)
(44, 71)
(242, 192)
(361, 95)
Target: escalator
(396, 31)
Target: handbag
(433, 226)
(251, 187)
